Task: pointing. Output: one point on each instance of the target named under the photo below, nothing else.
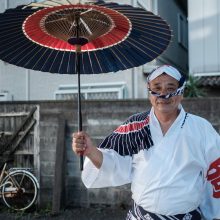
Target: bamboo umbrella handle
(78, 50)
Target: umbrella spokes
(90, 24)
(77, 40)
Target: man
(170, 157)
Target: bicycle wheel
(20, 190)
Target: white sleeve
(210, 206)
(115, 170)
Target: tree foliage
(193, 88)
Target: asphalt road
(104, 213)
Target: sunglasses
(179, 91)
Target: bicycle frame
(10, 173)
(4, 173)
(19, 187)
(24, 170)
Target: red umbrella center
(95, 27)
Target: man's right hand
(82, 145)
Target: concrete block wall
(48, 128)
(99, 119)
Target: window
(92, 91)
(182, 31)
(147, 4)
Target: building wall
(22, 84)
(2, 6)
(204, 37)
(175, 54)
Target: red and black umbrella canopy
(113, 37)
(58, 36)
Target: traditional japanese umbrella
(58, 36)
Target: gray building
(21, 84)
(204, 46)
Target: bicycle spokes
(22, 191)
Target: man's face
(163, 85)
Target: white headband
(169, 70)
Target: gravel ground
(98, 213)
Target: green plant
(192, 88)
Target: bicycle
(19, 188)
